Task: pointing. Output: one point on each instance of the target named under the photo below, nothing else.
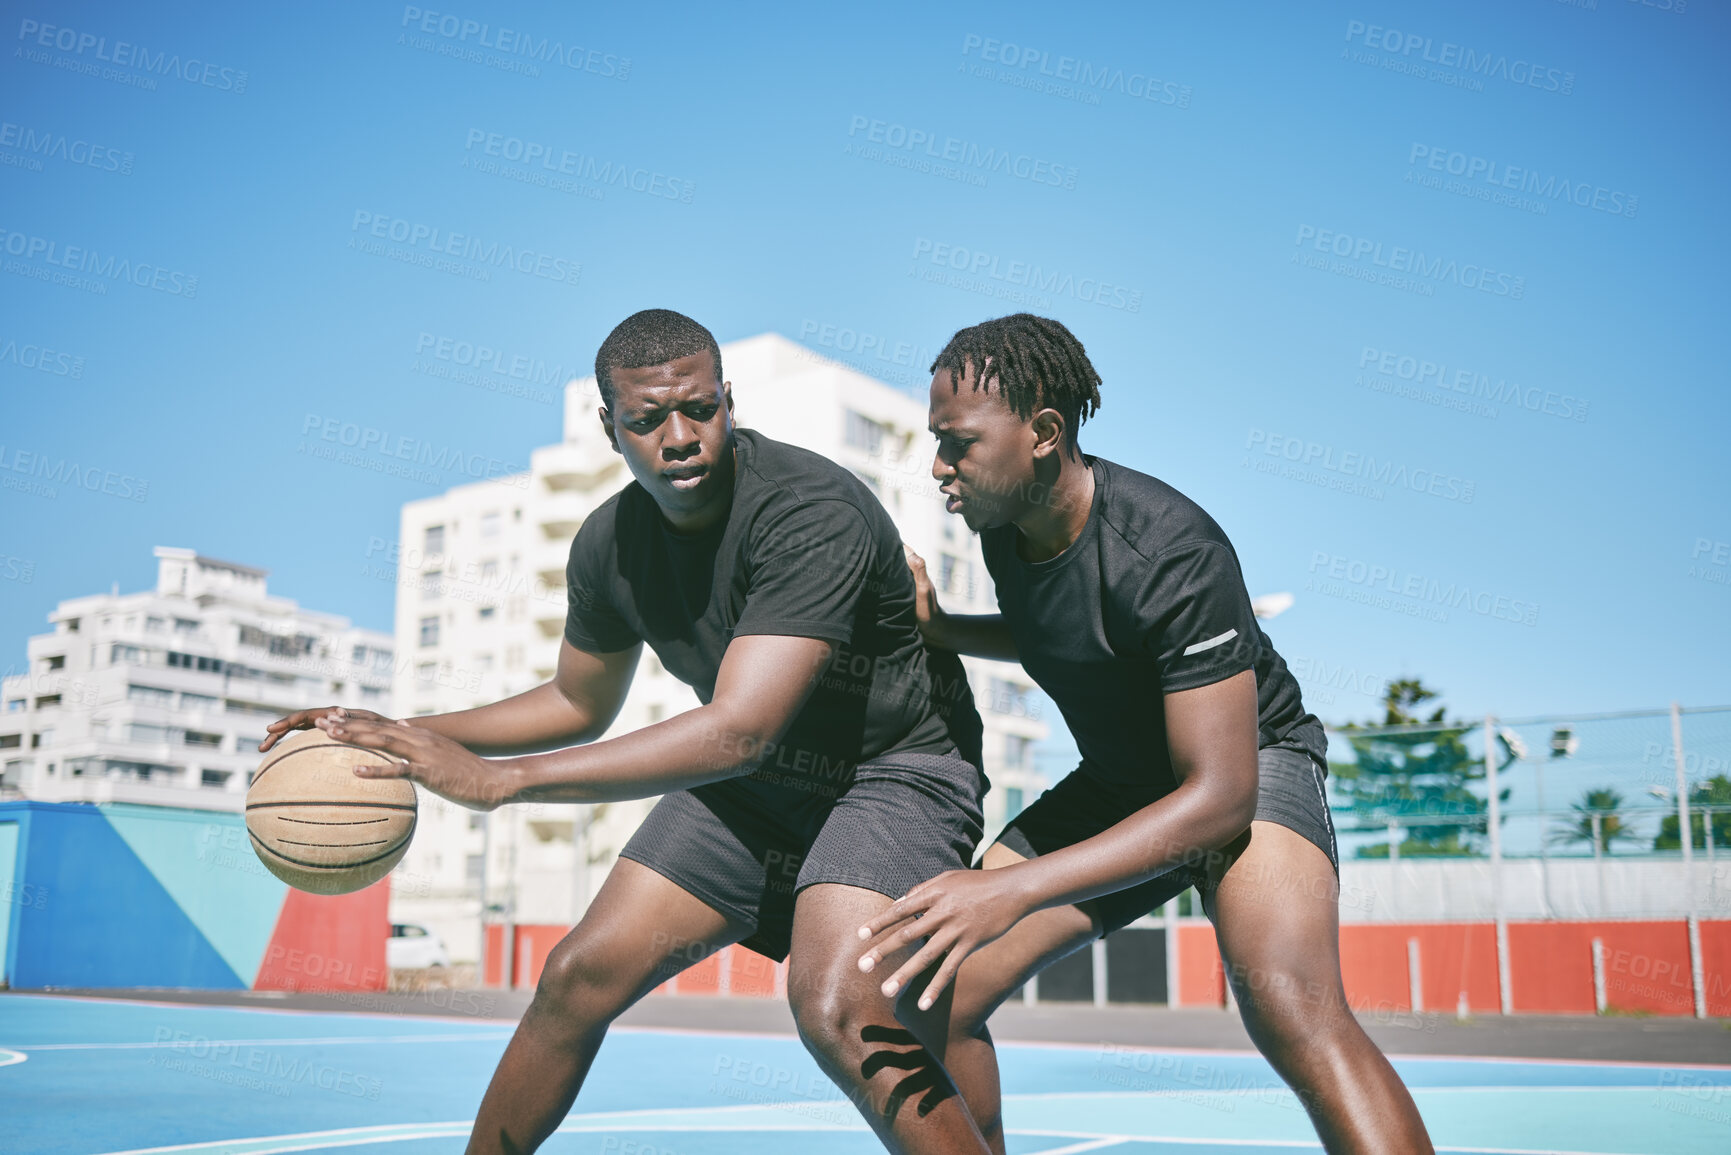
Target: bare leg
(986, 980)
(870, 1047)
(1276, 911)
(641, 930)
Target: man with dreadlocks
(832, 765)
(1200, 766)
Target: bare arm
(978, 635)
(1211, 734)
(763, 682)
(576, 706)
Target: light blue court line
(100, 1078)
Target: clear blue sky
(767, 204)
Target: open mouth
(685, 476)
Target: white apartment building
(481, 610)
(161, 697)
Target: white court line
(386, 1015)
(11, 1058)
(600, 1121)
(337, 1040)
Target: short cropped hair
(651, 337)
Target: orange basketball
(317, 826)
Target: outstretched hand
(307, 719)
(956, 913)
(435, 761)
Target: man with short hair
(1200, 767)
(832, 765)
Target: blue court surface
(84, 1076)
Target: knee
(831, 1008)
(579, 975)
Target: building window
(358, 654)
(144, 732)
(490, 524)
(435, 539)
(490, 570)
(425, 673)
(199, 738)
(486, 613)
(473, 868)
(47, 700)
(216, 778)
(197, 701)
(11, 741)
(430, 631)
(186, 625)
(150, 695)
(864, 433)
(431, 585)
(56, 661)
(132, 655)
(1016, 750)
(154, 625)
(13, 705)
(1012, 802)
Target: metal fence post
(1686, 837)
(1493, 818)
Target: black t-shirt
(1146, 601)
(806, 550)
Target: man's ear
(727, 396)
(1048, 426)
(607, 428)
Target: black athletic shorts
(746, 847)
(1289, 792)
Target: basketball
(317, 826)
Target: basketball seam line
(319, 746)
(322, 866)
(377, 805)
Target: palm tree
(1598, 821)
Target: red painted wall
(1201, 977)
(1716, 966)
(329, 943)
(1453, 958)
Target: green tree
(1715, 792)
(1598, 821)
(1416, 773)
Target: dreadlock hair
(651, 337)
(1037, 363)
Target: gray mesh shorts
(1289, 792)
(747, 847)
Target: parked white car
(413, 947)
